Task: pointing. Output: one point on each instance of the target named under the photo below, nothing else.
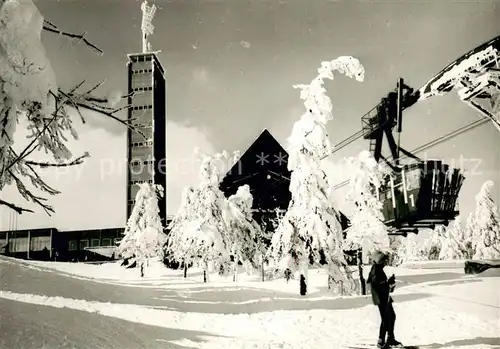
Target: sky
(230, 66)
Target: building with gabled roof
(263, 167)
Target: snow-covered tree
(30, 95)
(243, 241)
(200, 231)
(409, 250)
(463, 237)
(144, 237)
(484, 225)
(182, 229)
(310, 224)
(367, 230)
(395, 243)
(452, 242)
(431, 247)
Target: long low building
(52, 244)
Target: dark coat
(379, 285)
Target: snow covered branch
(18, 209)
(52, 28)
(28, 89)
(77, 161)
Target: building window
(73, 245)
(94, 242)
(144, 165)
(117, 241)
(38, 243)
(106, 241)
(150, 181)
(84, 244)
(18, 244)
(141, 107)
(138, 162)
(143, 88)
(142, 71)
(148, 143)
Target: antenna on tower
(146, 27)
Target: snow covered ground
(439, 308)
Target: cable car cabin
(421, 195)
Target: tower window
(142, 71)
(148, 143)
(150, 181)
(145, 88)
(141, 107)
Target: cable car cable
(434, 142)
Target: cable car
(416, 195)
(421, 195)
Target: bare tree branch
(73, 90)
(18, 209)
(77, 161)
(89, 92)
(50, 27)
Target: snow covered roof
(152, 53)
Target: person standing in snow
(381, 287)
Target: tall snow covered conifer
(484, 225)
(310, 224)
(245, 232)
(367, 230)
(144, 237)
(183, 231)
(452, 246)
(431, 248)
(409, 251)
(201, 233)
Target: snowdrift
(445, 264)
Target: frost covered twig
(18, 209)
(29, 90)
(29, 196)
(77, 161)
(28, 150)
(52, 28)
